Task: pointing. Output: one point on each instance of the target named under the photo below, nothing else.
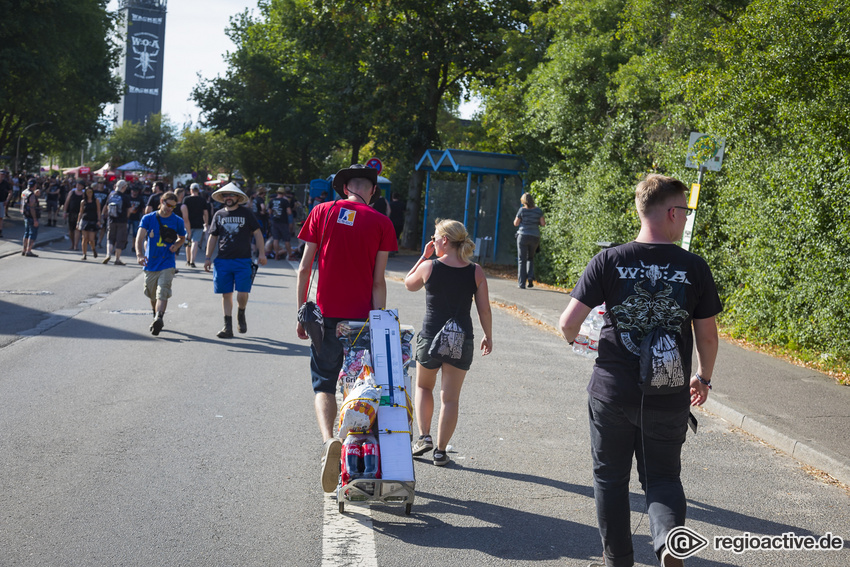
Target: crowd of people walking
(104, 215)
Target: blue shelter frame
(476, 165)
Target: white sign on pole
(688, 233)
(706, 151)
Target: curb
(38, 244)
(809, 454)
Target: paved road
(118, 448)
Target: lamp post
(18, 148)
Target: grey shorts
(196, 235)
(116, 234)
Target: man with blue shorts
(232, 229)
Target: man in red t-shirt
(353, 241)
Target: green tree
(327, 74)
(202, 151)
(149, 143)
(56, 62)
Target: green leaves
(56, 62)
(606, 90)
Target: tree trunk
(412, 230)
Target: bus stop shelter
(486, 201)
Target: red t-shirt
(355, 233)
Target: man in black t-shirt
(196, 218)
(232, 231)
(134, 215)
(280, 211)
(153, 201)
(100, 193)
(653, 289)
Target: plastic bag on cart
(354, 336)
(360, 407)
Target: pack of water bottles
(587, 341)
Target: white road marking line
(347, 539)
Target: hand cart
(389, 349)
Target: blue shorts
(30, 230)
(230, 273)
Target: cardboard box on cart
(394, 413)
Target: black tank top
(448, 293)
(74, 203)
(90, 210)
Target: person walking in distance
(160, 236)
(661, 300)
(353, 242)
(280, 212)
(451, 282)
(529, 219)
(100, 194)
(233, 230)
(73, 202)
(88, 221)
(153, 200)
(5, 191)
(117, 210)
(31, 212)
(134, 215)
(196, 217)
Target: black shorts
(424, 343)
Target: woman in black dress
(89, 221)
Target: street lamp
(18, 148)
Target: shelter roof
(468, 161)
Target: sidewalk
(13, 233)
(799, 411)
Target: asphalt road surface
(119, 448)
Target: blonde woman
(529, 219)
(451, 281)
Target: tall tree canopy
(620, 85)
(309, 76)
(56, 62)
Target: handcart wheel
(407, 508)
(341, 507)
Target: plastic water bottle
(581, 340)
(597, 321)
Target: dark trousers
(655, 439)
(526, 247)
